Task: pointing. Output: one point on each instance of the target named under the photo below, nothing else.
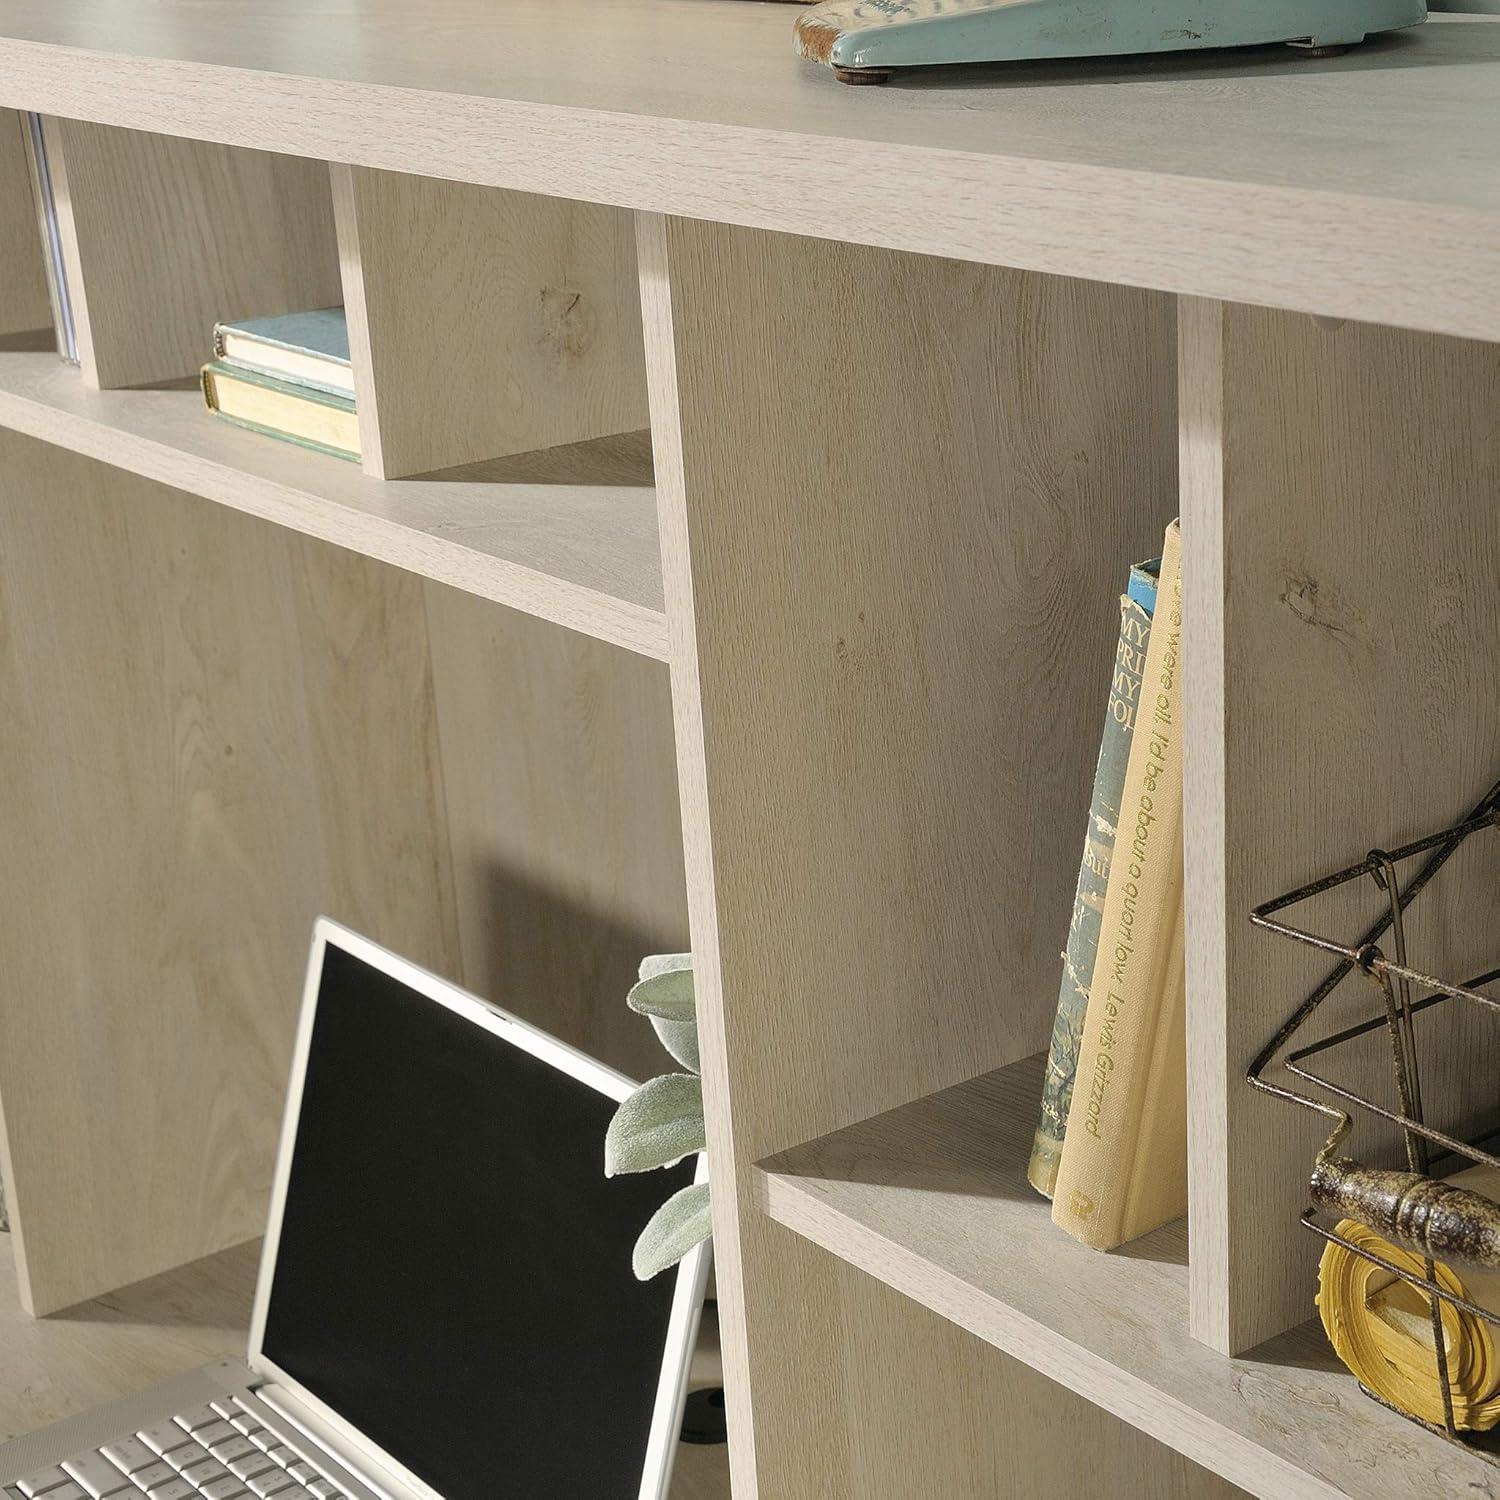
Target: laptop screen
(453, 1271)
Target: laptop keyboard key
(232, 1448)
(215, 1432)
(163, 1437)
(301, 1472)
(128, 1455)
(282, 1454)
(198, 1416)
(96, 1475)
(323, 1489)
(185, 1457)
(176, 1488)
(252, 1464)
(227, 1488)
(157, 1473)
(264, 1438)
(272, 1482)
(42, 1481)
(201, 1473)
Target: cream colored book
(1124, 1157)
(299, 414)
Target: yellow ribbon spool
(1381, 1327)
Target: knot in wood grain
(565, 322)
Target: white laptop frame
(692, 1272)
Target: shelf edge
(791, 1202)
(618, 622)
(1247, 241)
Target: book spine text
(1088, 898)
(1124, 1161)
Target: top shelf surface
(1364, 186)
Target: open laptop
(445, 1306)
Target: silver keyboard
(222, 1451)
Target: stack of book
(1111, 1146)
(288, 376)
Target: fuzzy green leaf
(667, 993)
(680, 1038)
(660, 1123)
(664, 963)
(680, 1223)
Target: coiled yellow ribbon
(1381, 1327)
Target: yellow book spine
(1124, 1159)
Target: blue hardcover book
(1137, 606)
(302, 348)
(1142, 585)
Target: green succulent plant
(662, 1121)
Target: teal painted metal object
(865, 40)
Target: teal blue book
(1137, 606)
(302, 348)
(1142, 585)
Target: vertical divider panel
(899, 497)
(1341, 545)
(164, 237)
(1200, 467)
(484, 322)
(23, 279)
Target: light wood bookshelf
(566, 534)
(750, 468)
(932, 1198)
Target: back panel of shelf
(217, 729)
(24, 304)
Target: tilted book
(300, 414)
(45, 201)
(306, 348)
(1093, 874)
(1124, 1160)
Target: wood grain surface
(891, 633)
(1362, 185)
(932, 1199)
(1340, 544)
(120, 1343)
(217, 729)
(567, 534)
(23, 283)
(484, 322)
(164, 237)
(561, 795)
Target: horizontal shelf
(1361, 186)
(568, 534)
(932, 1199)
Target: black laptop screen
(453, 1276)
